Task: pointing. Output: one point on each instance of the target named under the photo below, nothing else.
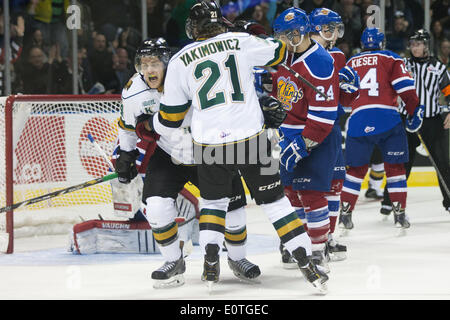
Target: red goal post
(44, 146)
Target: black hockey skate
(319, 258)
(170, 274)
(310, 271)
(345, 217)
(400, 218)
(244, 269)
(373, 194)
(287, 261)
(385, 209)
(335, 251)
(211, 265)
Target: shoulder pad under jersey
(134, 86)
(319, 63)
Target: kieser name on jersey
(209, 48)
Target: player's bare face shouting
(153, 71)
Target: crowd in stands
(110, 33)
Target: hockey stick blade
(309, 84)
(54, 194)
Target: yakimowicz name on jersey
(209, 48)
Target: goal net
(44, 148)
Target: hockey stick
(59, 192)
(100, 151)
(434, 165)
(309, 84)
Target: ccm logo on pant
(270, 186)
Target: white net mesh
(52, 152)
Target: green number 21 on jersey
(207, 99)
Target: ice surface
(380, 264)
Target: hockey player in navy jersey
(321, 119)
(375, 120)
(310, 139)
(326, 28)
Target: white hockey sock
(288, 225)
(212, 222)
(236, 234)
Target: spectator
(444, 52)
(101, 62)
(85, 78)
(155, 18)
(397, 40)
(130, 39)
(351, 17)
(123, 68)
(310, 5)
(35, 76)
(285, 4)
(49, 16)
(17, 33)
(115, 13)
(438, 34)
(176, 34)
(259, 16)
(344, 46)
(440, 10)
(230, 11)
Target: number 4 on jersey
(370, 82)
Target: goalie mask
(204, 20)
(151, 61)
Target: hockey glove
(141, 130)
(274, 113)
(292, 152)
(348, 80)
(126, 165)
(414, 122)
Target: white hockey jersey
(215, 77)
(138, 98)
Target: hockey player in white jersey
(212, 81)
(169, 168)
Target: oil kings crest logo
(289, 17)
(288, 92)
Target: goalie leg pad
(127, 197)
(107, 236)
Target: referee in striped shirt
(431, 79)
